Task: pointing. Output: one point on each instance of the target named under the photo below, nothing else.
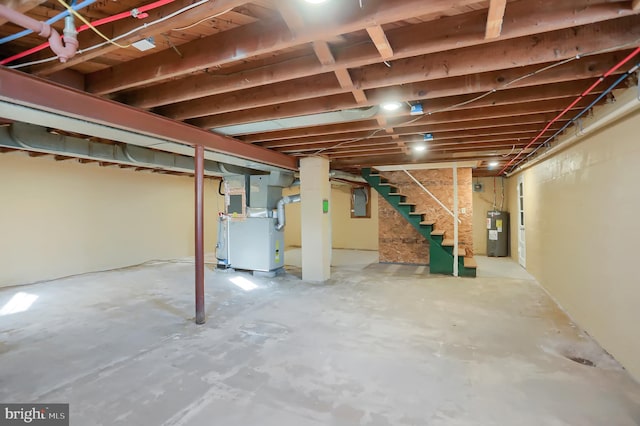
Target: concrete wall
(582, 228)
(483, 202)
(65, 218)
(399, 241)
(346, 232)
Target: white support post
(455, 219)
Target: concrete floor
(377, 345)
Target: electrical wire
(202, 20)
(49, 21)
(128, 33)
(580, 114)
(93, 28)
(571, 105)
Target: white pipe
(455, 219)
(282, 220)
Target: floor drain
(582, 361)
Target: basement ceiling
(309, 79)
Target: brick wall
(399, 242)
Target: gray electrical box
(497, 233)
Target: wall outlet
(463, 210)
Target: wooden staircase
(441, 250)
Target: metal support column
(199, 193)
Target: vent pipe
(281, 216)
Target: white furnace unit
(251, 229)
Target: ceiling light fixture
(391, 106)
(315, 1)
(420, 148)
(493, 164)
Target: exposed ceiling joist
(494, 19)
(483, 76)
(525, 18)
(250, 40)
(381, 42)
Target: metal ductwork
(282, 220)
(36, 138)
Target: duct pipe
(64, 51)
(290, 199)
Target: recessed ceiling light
(493, 164)
(391, 106)
(419, 148)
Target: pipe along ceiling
(30, 137)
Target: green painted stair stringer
(441, 260)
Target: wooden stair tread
(441, 233)
(397, 193)
(406, 204)
(428, 222)
(416, 213)
(386, 184)
(470, 262)
(449, 243)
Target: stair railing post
(455, 219)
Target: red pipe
(578, 99)
(199, 204)
(139, 13)
(65, 48)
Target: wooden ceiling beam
(525, 18)
(514, 53)
(506, 97)
(524, 51)
(541, 110)
(251, 40)
(495, 18)
(635, 5)
(585, 68)
(379, 38)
